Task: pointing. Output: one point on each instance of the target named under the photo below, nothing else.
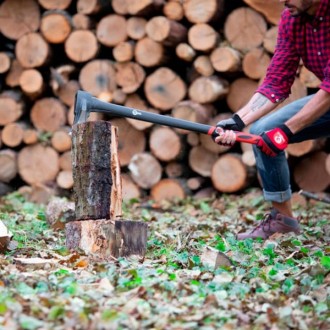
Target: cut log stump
(97, 229)
(108, 238)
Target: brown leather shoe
(274, 222)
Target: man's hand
(274, 141)
(235, 123)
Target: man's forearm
(258, 106)
(315, 108)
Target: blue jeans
(274, 171)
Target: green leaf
(205, 207)
(321, 307)
(288, 285)
(172, 276)
(325, 262)
(3, 308)
(109, 315)
(56, 312)
(30, 323)
(24, 289)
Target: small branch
(314, 196)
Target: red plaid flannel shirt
(305, 38)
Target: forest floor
(280, 283)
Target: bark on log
(90, 7)
(143, 7)
(96, 171)
(166, 31)
(19, 17)
(107, 239)
(245, 29)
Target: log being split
(97, 228)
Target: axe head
(82, 107)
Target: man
(303, 35)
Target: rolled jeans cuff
(277, 196)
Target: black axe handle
(85, 103)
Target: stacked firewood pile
(199, 60)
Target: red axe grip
(240, 137)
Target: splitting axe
(85, 103)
